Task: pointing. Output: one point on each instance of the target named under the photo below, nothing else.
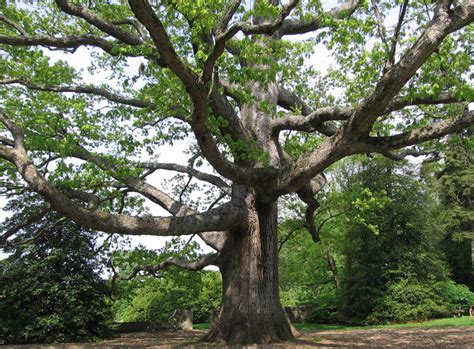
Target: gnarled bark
(251, 311)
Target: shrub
(457, 295)
(409, 300)
(324, 307)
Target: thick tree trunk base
(270, 327)
(251, 312)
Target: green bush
(457, 295)
(409, 300)
(324, 307)
(393, 265)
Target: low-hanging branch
(214, 239)
(153, 269)
(134, 183)
(226, 216)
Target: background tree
(456, 190)
(394, 268)
(227, 76)
(51, 289)
(151, 296)
(380, 223)
(305, 275)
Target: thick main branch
(226, 216)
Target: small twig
(184, 189)
(396, 34)
(380, 26)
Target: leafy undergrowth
(308, 327)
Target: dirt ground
(460, 337)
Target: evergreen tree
(51, 289)
(456, 191)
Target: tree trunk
(251, 311)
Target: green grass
(202, 326)
(459, 321)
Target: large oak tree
(242, 83)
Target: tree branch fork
(353, 137)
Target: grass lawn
(459, 321)
(201, 326)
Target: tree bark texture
(251, 311)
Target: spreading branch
(409, 152)
(290, 101)
(248, 28)
(204, 261)
(36, 235)
(292, 27)
(195, 88)
(134, 23)
(311, 121)
(440, 129)
(217, 181)
(97, 21)
(226, 216)
(352, 139)
(214, 239)
(396, 34)
(380, 26)
(91, 90)
(145, 14)
(71, 42)
(13, 25)
(445, 21)
(442, 98)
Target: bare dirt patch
(440, 337)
